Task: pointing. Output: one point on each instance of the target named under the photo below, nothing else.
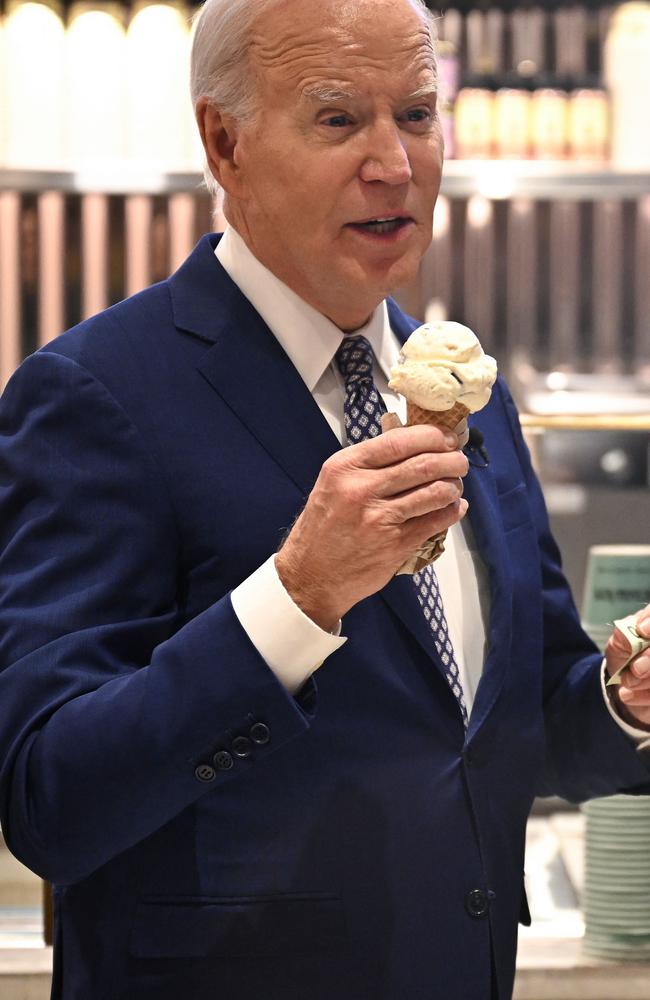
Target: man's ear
(219, 135)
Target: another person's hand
(632, 696)
(373, 504)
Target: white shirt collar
(309, 339)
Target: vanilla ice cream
(442, 364)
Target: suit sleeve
(112, 711)
(587, 754)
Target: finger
(400, 444)
(620, 645)
(617, 651)
(643, 622)
(419, 529)
(424, 499)
(421, 470)
(389, 422)
(640, 668)
(637, 698)
(634, 683)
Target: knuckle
(354, 494)
(392, 445)
(427, 467)
(388, 516)
(444, 492)
(330, 467)
(376, 516)
(618, 643)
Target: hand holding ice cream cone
(444, 375)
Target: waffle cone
(445, 419)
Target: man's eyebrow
(331, 93)
(328, 93)
(426, 90)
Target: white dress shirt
(292, 644)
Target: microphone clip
(475, 447)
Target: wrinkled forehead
(297, 43)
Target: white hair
(220, 68)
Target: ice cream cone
(445, 419)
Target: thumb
(389, 421)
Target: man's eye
(418, 114)
(337, 121)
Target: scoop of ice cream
(442, 364)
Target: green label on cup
(618, 583)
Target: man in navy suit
(228, 734)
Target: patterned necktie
(363, 409)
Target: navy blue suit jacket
(150, 460)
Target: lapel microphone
(475, 445)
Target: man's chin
(387, 277)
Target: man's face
(347, 133)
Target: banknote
(628, 627)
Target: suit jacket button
(241, 746)
(223, 760)
(205, 773)
(260, 733)
(477, 903)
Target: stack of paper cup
(616, 899)
(617, 830)
(617, 584)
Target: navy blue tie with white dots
(363, 409)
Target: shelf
(585, 422)
(494, 179)
(501, 179)
(118, 180)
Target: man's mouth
(383, 224)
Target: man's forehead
(305, 40)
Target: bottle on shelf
(32, 86)
(588, 129)
(95, 93)
(512, 117)
(474, 119)
(627, 75)
(549, 119)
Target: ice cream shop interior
(541, 244)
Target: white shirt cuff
(640, 736)
(292, 645)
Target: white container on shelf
(32, 84)
(627, 75)
(95, 93)
(157, 73)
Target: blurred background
(541, 245)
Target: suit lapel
(249, 369)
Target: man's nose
(386, 158)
